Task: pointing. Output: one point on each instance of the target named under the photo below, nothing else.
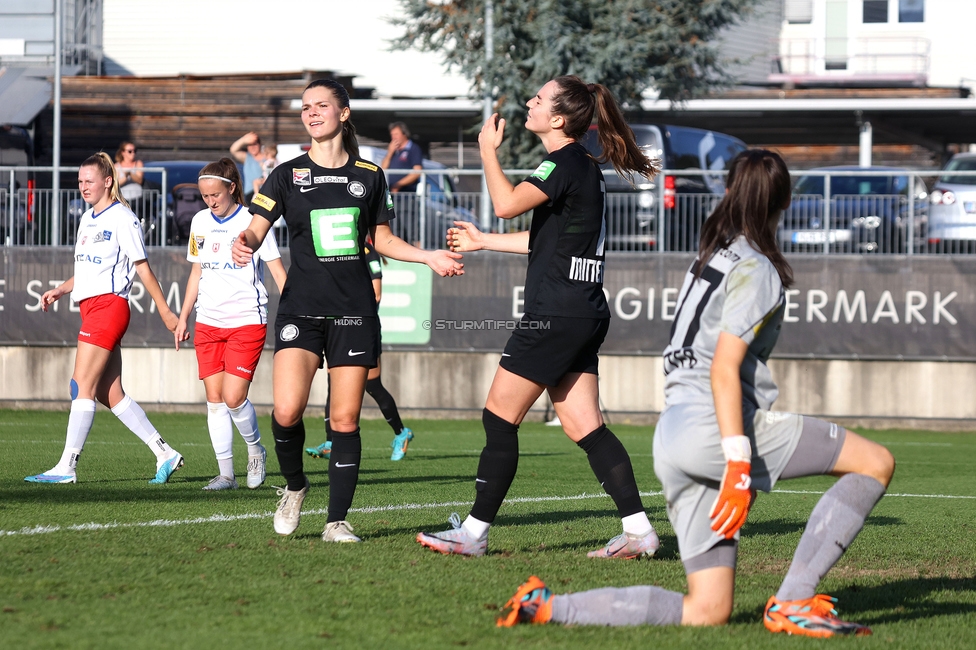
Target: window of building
(911, 11)
(798, 11)
(875, 11)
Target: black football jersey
(566, 240)
(329, 213)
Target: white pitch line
(222, 518)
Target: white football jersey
(108, 246)
(229, 295)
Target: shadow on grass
(773, 527)
(896, 601)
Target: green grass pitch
(114, 562)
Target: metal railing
(26, 211)
(877, 211)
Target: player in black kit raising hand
(331, 200)
(566, 314)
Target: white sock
(637, 524)
(221, 436)
(247, 423)
(475, 527)
(133, 417)
(80, 420)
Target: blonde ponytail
(106, 167)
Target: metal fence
(877, 211)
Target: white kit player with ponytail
(231, 318)
(109, 253)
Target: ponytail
(577, 102)
(102, 162)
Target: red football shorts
(104, 320)
(234, 350)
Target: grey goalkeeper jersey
(739, 292)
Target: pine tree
(627, 45)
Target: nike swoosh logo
(480, 480)
(505, 355)
(346, 465)
(356, 354)
(306, 189)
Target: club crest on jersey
(357, 189)
(105, 235)
(83, 240)
(289, 332)
(301, 176)
(216, 246)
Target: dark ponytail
(225, 170)
(577, 102)
(757, 191)
(349, 141)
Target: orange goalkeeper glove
(731, 507)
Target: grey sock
(619, 606)
(834, 523)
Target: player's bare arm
(442, 262)
(465, 237)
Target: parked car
(17, 150)
(952, 210)
(867, 213)
(632, 209)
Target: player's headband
(219, 178)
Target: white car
(952, 215)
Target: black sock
(289, 446)
(386, 403)
(497, 467)
(328, 404)
(611, 464)
(347, 452)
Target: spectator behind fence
(247, 151)
(270, 152)
(402, 153)
(129, 171)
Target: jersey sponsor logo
(389, 201)
(365, 165)
(585, 270)
(262, 201)
(105, 235)
(335, 231)
(544, 169)
(301, 176)
(331, 179)
(374, 266)
(348, 320)
(357, 189)
(94, 259)
(289, 332)
(306, 189)
(727, 254)
(194, 249)
(216, 266)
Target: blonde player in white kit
(231, 318)
(109, 253)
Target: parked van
(17, 150)
(632, 209)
